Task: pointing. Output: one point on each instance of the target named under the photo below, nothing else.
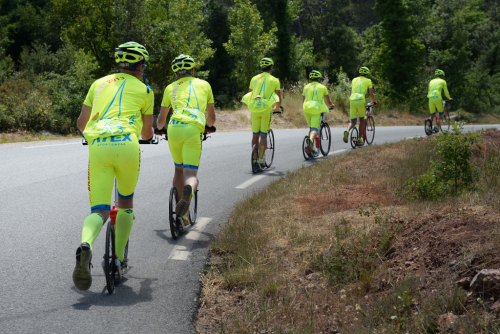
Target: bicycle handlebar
(154, 140)
(279, 112)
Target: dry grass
(318, 252)
(25, 136)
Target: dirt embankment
(322, 252)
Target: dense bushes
(48, 92)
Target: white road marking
(181, 250)
(254, 179)
(338, 151)
(52, 145)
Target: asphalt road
(44, 200)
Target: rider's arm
(147, 127)
(211, 114)
(278, 104)
(372, 95)
(84, 117)
(445, 89)
(328, 101)
(162, 118)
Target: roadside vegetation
(350, 245)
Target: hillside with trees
(52, 50)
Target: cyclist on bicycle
(436, 87)
(118, 108)
(188, 97)
(263, 93)
(315, 100)
(359, 88)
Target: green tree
(217, 28)
(326, 23)
(400, 53)
(248, 42)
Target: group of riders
(118, 109)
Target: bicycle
(445, 122)
(176, 223)
(268, 154)
(110, 263)
(323, 141)
(369, 132)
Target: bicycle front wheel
(370, 130)
(172, 217)
(109, 258)
(269, 154)
(353, 137)
(325, 141)
(445, 122)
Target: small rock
(447, 319)
(486, 282)
(313, 276)
(464, 283)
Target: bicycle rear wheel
(428, 127)
(445, 122)
(255, 153)
(269, 154)
(370, 130)
(306, 143)
(325, 141)
(193, 208)
(353, 137)
(109, 258)
(172, 217)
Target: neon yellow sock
(261, 161)
(261, 153)
(91, 228)
(124, 222)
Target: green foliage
(216, 27)
(400, 53)
(248, 42)
(452, 172)
(334, 41)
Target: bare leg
(190, 177)
(255, 141)
(361, 126)
(178, 181)
(263, 145)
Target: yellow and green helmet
(183, 62)
(315, 75)
(439, 72)
(364, 70)
(266, 62)
(131, 52)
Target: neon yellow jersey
(314, 102)
(436, 86)
(188, 97)
(118, 102)
(360, 86)
(263, 95)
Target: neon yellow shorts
(435, 102)
(184, 141)
(110, 157)
(357, 107)
(261, 122)
(313, 120)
